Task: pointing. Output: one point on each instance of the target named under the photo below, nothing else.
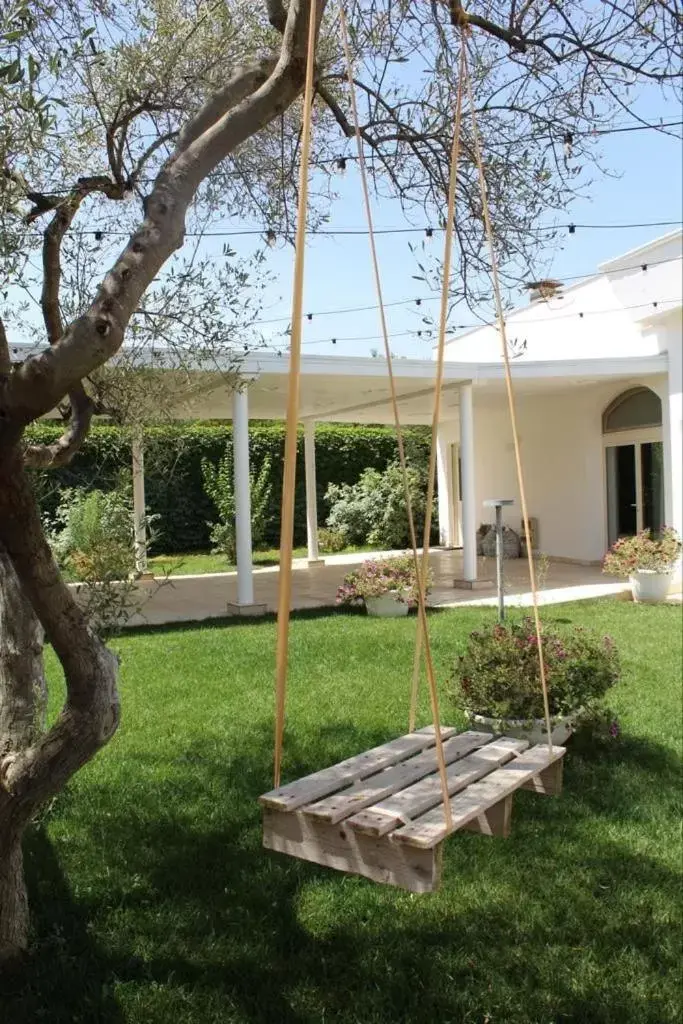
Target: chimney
(542, 291)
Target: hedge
(173, 478)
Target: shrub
(173, 476)
(374, 510)
(382, 576)
(499, 674)
(656, 552)
(331, 541)
(219, 486)
(92, 534)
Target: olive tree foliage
(128, 125)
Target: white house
(598, 379)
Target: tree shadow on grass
(66, 976)
(563, 922)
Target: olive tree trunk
(22, 712)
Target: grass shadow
(524, 931)
(66, 976)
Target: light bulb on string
(341, 165)
(271, 238)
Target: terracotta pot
(649, 586)
(386, 606)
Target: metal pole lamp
(499, 504)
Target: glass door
(635, 488)
(652, 476)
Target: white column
(311, 492)
(240, 442)
(673, 424)
(468, 497)
(444, 477)
(139, 512)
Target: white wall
(609, 315)
(563, 462)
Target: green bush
(374, 510)
(499, 673)
(220, 487)
(173, 474)
(331, 542)
(92, 534)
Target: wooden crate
(380, 814)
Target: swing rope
(438, 385)
(419, 575)
(289, 469)
(500, 316)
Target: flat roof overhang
(356, 390)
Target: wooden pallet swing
(385, 813)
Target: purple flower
(614, 729)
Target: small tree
(219, 486)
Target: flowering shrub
(499, 673)
(644, 551)
(373, 510)
(382, 576)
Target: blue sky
(645, 186)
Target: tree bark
(36, 764)
(22, 711)
(14, 919)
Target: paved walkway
(195, 598)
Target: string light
(343, 310)
(341, 165)
(271, 237)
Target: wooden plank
(430, 829)
(322, 783)
(413, 801)
(495, 821)
(376, 787)
(335, 846)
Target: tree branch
(91, 712)
(5, 358)
(277, 15)
(242, 84)
(42, 381)
(62, 451)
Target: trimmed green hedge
(173, 477)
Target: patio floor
(195, 598)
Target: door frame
(637, 438)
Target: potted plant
(648, 560)
(386, 586)
(497, 680)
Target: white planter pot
(387, 606)
(649, 586)
(534, 731)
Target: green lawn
(203, 562)
(154, 902)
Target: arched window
(632, 410)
